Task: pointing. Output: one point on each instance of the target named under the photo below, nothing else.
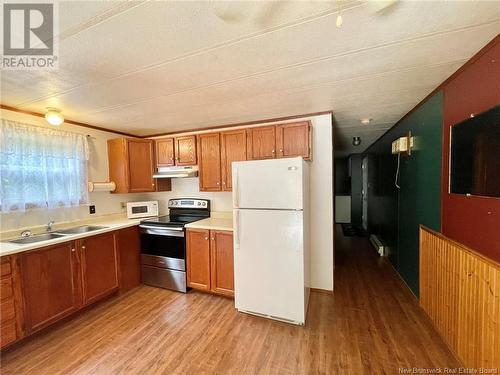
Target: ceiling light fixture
(339, 21)
(366, 121)
(356, 141)
(54, 117)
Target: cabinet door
(233, 148)
(293, 140)
(50, 285)
(185, 150)
(165, 152)
(129, 250)
(209, 162)
(261, 142)
(11, 302)
(198, 258)
(140, 159)
(222, 262)
(99, 266)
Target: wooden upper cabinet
(165, 155)
(294, 140)
(209, 162)
(233, 148)
(222, 262)
(141, 159)
(99, 266)
(50, 284)
(131, 163)
(198, 258)
(261, 142)
(185, 150)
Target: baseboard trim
(324, 291)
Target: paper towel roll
(101, 186)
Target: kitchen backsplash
(107, 204)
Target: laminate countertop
(212, 223)
(7, 248)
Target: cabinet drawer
(5, 287)
(7, 310)
(5, 267)
(7, 333)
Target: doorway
(364, 194)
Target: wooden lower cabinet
(210, 261)
(11, 303)
(222, 262)
(50, 284)
(129, 251)
(99, 264)
(40, 287)
(198, 258)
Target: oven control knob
(204, 203)
(199, 203)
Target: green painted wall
(419, 199)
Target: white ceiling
(147, 67)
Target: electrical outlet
(92, 209)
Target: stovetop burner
(182, 212)
(171, 220)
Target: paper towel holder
(101, 186)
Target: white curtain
(41, 167)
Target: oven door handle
(175, 232)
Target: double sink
(57, 234)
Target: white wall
(342, 208)
(322, 204)
(321, 186)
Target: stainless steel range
(163, 245)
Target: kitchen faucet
(49, 225)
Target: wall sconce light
(356, 141)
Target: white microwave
(137, 210)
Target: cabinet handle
(213, 238)
(218, 183)
(83, 247)
(223, 182)
(72, 250)
(206, 238)
(272, 151)
(281, 150)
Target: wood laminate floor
(371, 325)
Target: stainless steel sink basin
(37, 238)
(82, 229)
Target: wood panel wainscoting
(460, 291)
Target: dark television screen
(475, 155)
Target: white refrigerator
(271, 238)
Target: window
(41, 167)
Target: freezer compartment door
(269, 263)
(273, 184)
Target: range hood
(176, 172)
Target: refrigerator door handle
(237, 231)
(236, 188)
